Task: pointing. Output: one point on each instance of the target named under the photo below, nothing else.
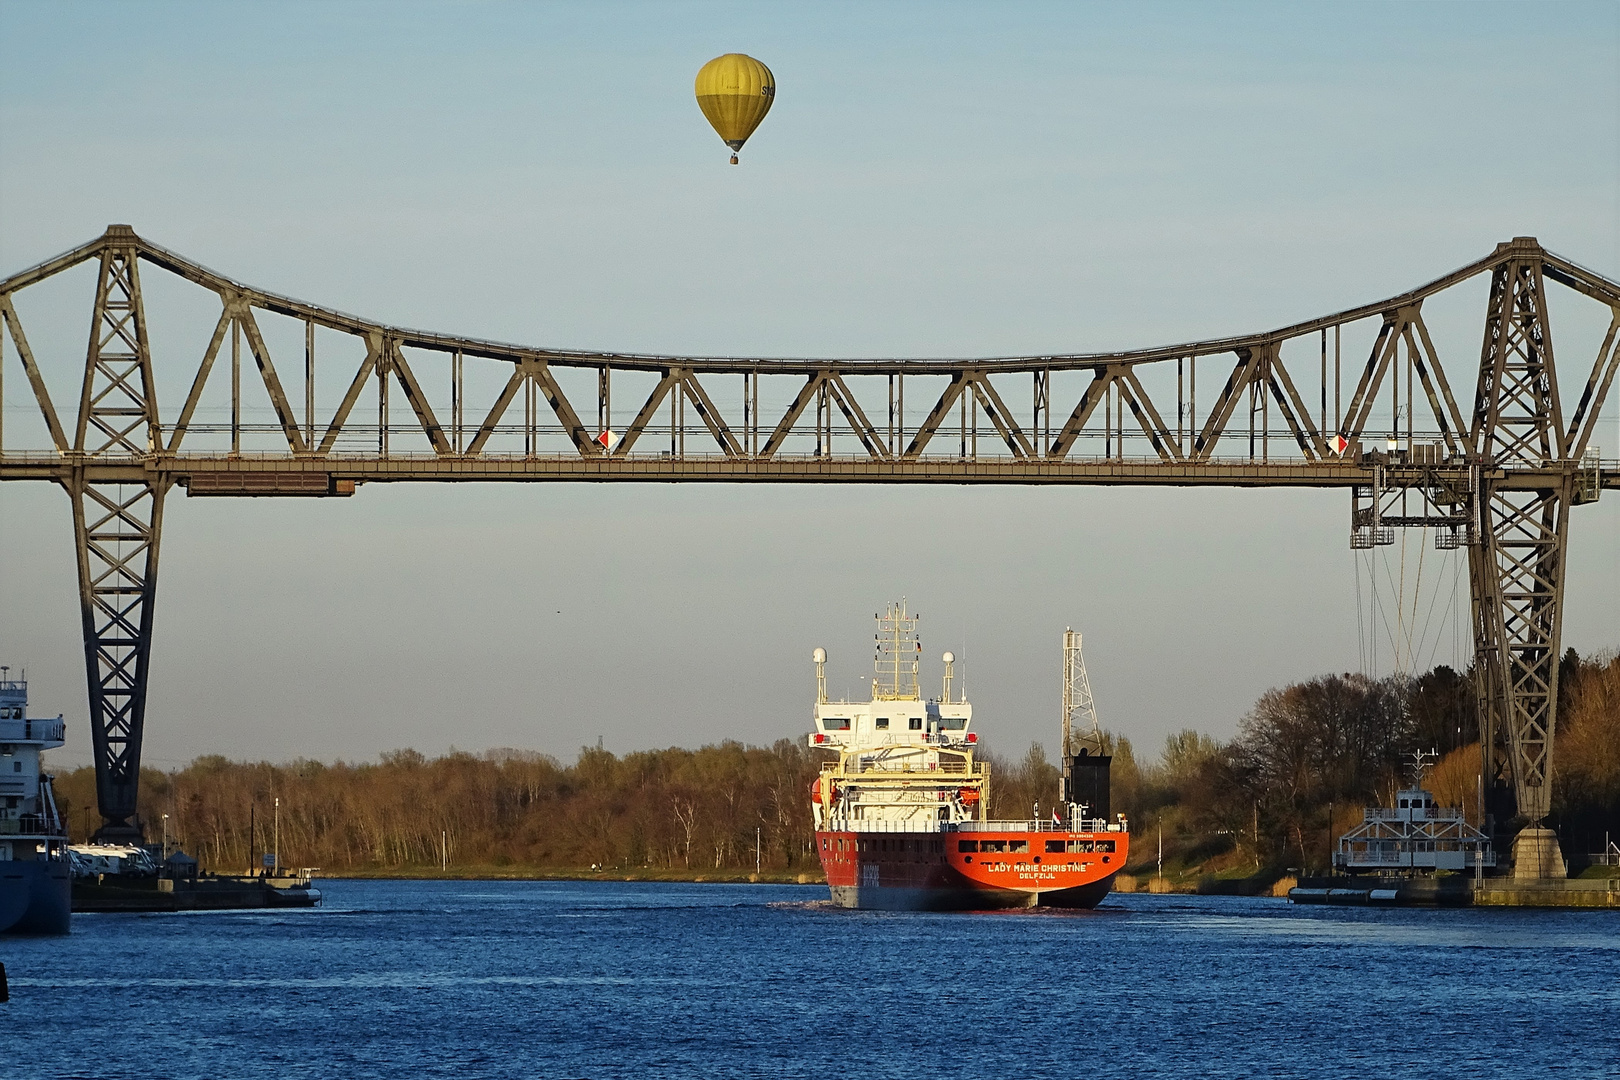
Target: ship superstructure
(1415, 834)
(901, 815)
(35, 873)
(903, 763)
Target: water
(588, 979)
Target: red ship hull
(971, 870)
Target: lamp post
(275, 844)
(165, 837)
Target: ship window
(1105, 845)
(1018, 845)
(1082, 845)
(1054, 845)
(967, 845)
(992, 845)
(882, 723)
(953, 723)
(16, 766)
(1404, 804)
(914, 723)
(835, 723)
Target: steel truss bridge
(1498, 479)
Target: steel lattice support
(1517, 562)
(115, 530)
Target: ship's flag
(1055, 819)
(607, 439)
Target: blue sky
(933, 180)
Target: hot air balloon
(735, 92)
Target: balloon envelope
(735, 92)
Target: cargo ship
(35, 871)
(902, 814)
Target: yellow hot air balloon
(735, 92)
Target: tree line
(1310, 756)
(1305, 761)
(669, 809)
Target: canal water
(593, 979)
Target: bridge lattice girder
(1500, 479)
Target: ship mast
(1079, 711)
(899, 654)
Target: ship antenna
(1421, 760)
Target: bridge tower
(116, 528)
(1517, 558)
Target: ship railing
(945, 768)
(1407, 857)
(878, 825)
(26, 825)
(1416, 813)
(30, 730)
(1085, 825)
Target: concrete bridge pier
(1537, 856)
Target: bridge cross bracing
(1358, 400)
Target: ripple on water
(608, 979)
